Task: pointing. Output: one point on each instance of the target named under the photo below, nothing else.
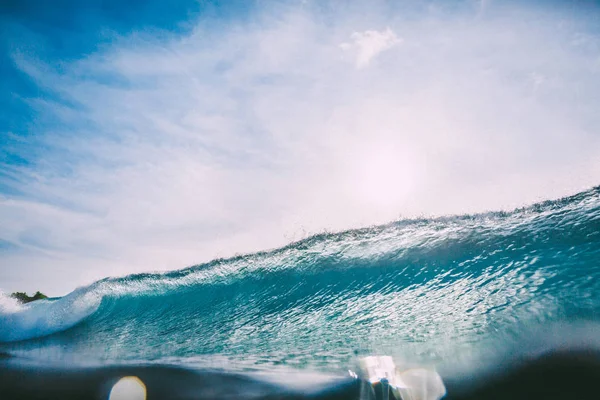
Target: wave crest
(44, 317)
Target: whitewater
(428, 291)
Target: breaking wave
(431, 289)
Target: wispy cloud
(160, 151)
(368, 44)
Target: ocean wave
(430, 288)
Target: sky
(158, 135)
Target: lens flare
(128, 388)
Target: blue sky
(154, 136)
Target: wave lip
(44, 317)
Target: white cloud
(369, 44)
(248, 135)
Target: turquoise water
(425, 290)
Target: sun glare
(385, 178)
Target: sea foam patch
(44, 317)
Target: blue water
(424, 290)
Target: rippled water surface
(428, 290)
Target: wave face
(427, 289)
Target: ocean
(475, 297)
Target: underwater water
(441, 292)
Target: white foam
(9, 304)
(43, 317)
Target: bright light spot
(128, 388)
(414, 383)
(378, 368)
